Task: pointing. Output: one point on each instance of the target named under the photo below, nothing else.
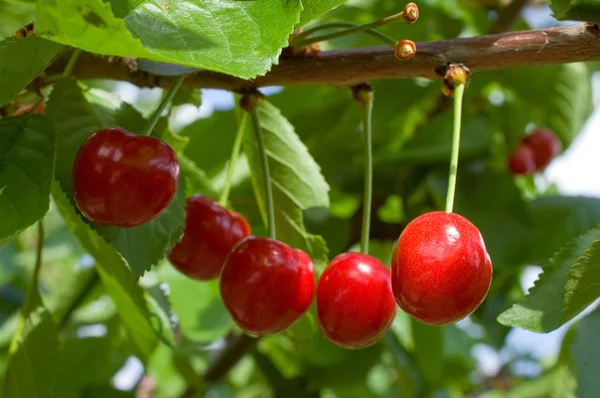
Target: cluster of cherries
(534, 153)
(440, 271)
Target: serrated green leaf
(543, 309)
(161, 312)
(574, 214)
(21, 60)
(581, 10)
(201, 34)
(316, 8)
(115, 276)
(558, 97)
(585, 352)
(296, 180)
(30, 372)
(27, 147)
(141, 246)
(583, 284)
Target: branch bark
(343, 68)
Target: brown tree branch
(343, 68)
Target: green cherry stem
(71, 63)
(264, 160)
(409, 14)
(367, 105)
(163, 105)
(237, 144)
(32, 295)
(458, 98)
(334, 25)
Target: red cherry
(441, 270)
(355, 303)
(266, 285)
(522, 161)
(545, 146)
(211, 231)
(124, 179)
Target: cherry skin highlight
(123, 179)
(545, 146)
(522, 161)
(266, 285)
(355, 303)
(211, 231)
(441, 270)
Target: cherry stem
(38, 262)
(333, 25)
(71, 63)
(237, 144)
(262, 150)
(459, 90)
(408, 15)
(163, 105)
(367, 105)
(32, 294)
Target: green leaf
(574, 214)
(428, 350)
(21, 60)
(141, 246)
(296, 179)
(581, 10)
(558, 97)
(26, 170)
(553, 300)
(115, 276)
(30, 372)
(585, 352)
(316, 8)
(203, 318)
(201, 34)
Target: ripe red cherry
(124, 179)
(441, 270)
(545, 146)
(211, 231)
(522, 161)
(266, 285)
(355, 303)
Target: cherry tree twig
(342, 68)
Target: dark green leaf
(194, 33)
(26, 171)
(428, 350)
(558, 97)
(296, 179)
(553, 300)
(583, 10)
(141, 246)
(574, 214)
(115, 276)
(21, 60)
(30, 372)
(585, 352)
